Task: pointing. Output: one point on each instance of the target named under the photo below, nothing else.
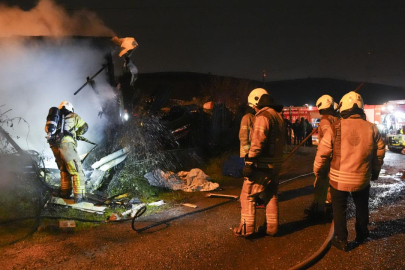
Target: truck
(392, 125)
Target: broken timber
(218, 195)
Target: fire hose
(303, 265)
(298, 146)
(326, 244)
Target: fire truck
(392, 124)
(307, 112)
(389, 118)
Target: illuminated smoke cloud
(50, 19)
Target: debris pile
(194, 180)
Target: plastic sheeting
(194, 180)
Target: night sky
(289, 39)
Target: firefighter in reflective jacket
(246, 126)
(262, 165)
(63, 144)
(356, 151)
(326, 107)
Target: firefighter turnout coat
(324, 124)
(322, 180)
(267, 145)
(267, 140)
(357, 151)
(246, 125)
(67, 158)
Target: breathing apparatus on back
(55, 122)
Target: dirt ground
(204, 240)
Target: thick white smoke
(50, 19)
(39, 73)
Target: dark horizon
(355, 41)
(296, 92)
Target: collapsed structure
(133, 128)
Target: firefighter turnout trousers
(70, 167)
(264, 184)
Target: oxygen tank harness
(55, 126)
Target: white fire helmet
(324, 102)
(347, 102)
(255, 95)
(68, 106)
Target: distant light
(126, 116)
(310, 107)
(390, 107)
(383, 108)
(399, 114)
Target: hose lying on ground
(318, 254)
(174, 218)
(194, 212)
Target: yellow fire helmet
(347, 102)
(255, 95)
(68, 106)
(324, 102)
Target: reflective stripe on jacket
(268, 139)
(246, 125)
(357, 152)
(72, 123)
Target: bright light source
(126, 116)
(310, 107)
(383, 108)
(390, 107)
(399, 114)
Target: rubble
(194, 180)
(111, 160)
(217, 195)
(189, 205)
(197, 180)
(83, 206)
(158, 203)
(169, 180)
(133, 210)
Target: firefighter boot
(79, 198)
(65, 185)
(245, 229)
(340, 243)
(272, 216)
(248, 211)
(315, 210)
(65, 194)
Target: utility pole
(264, 78)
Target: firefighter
(327, 109)
(262, 164)
(355, 150)
(246, 126)
(63, 144)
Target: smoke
(39, 73)
(50, 19)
